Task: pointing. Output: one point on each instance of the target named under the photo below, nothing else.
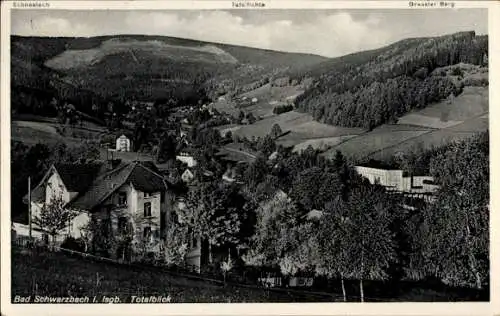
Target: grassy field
(56, 274)
(267, 98)
(39, 133)
(300, 143)
(441, 123)
(437, 138)
(378, 139)
(50, 132)
(300, 127)
(471, 103)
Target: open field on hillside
(323, 143)
(472, 102)
(378, 139)
(267, 98)
(262, 128)
(39, 133)
(76, 58)
(48, 132)
(300, 126)
(437, 138)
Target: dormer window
(122, 198)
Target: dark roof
(150, 165)
(136, 173)
(78, 177)
(145, 179)
(95, 182)
(102, 187)
(377, 165)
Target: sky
(329, 33)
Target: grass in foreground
(57, 274)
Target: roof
(94, 182)
(137, 174)
(376, 164)
(78, 177)
(314, 214)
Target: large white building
(397, 180)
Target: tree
(213, 213)
(166, 150)
(276, 131)
(355, 238)
(278, 234)
(267, 145)
(256, 171)
(176, 244)
(251, 118)
(54, 216)
(241, 116)
(453, 237)
(226, 266)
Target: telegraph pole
(29, 204)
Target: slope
(371, 88)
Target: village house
(131, 196)
(186, 157)
(123, 143)
(187, 176)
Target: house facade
(123, 143)
(130, 201)
(396, 180)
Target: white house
(123, 143)
(187, 176)
(187, 159)
(131, 197)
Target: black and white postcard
(331, 154)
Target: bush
(457, 72)
(73, 244)
(282, 108)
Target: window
(147, 194)
(122, 198)
(122, 223)
(147, 232)
(147, 209)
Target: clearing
(472, 102)
(376, 140)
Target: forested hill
(88, 71)
(370, 88)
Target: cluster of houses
(135, 196)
